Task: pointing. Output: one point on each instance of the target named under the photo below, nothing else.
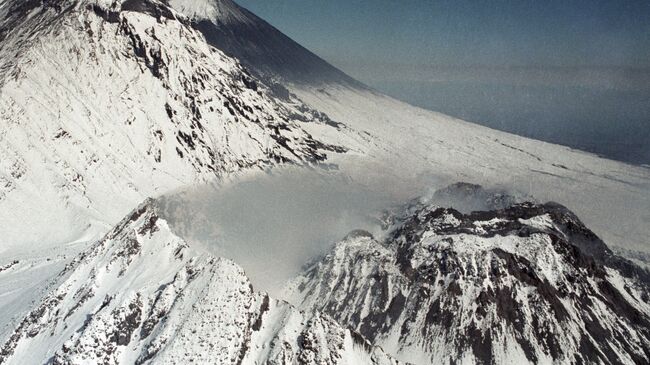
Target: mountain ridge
(173, 111)
(175, 299)
(528, 283)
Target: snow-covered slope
(98, 99)
(613, 198)
(102, 106)
(525, 284)
(262, 48)
(142, 295)
(226, 11)
(104, 103)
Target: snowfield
(106, 104)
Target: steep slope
(142, 295)
(104, 105)
(258, 45)
(525, 284)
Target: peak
(218, 11)
(144, 217)
(215, 11)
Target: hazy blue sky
(497, 32)
(570, 72)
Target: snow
(410, 144)
(97, 115)
(104, 160)
(143, 295)
(83, 152)
(220, 11)
(542, 222)
(500, 283)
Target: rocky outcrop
(527, 283)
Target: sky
(529, 67)
(497, 32)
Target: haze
(575, 73)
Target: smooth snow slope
(611, 197)
(258, 45)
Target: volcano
(105, 105)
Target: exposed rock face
(142, 295)
(528, 283)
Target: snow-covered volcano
(103, 106)
(106, 103)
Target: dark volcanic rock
(525, 282)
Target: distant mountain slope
(525, 284)
(141, 295)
